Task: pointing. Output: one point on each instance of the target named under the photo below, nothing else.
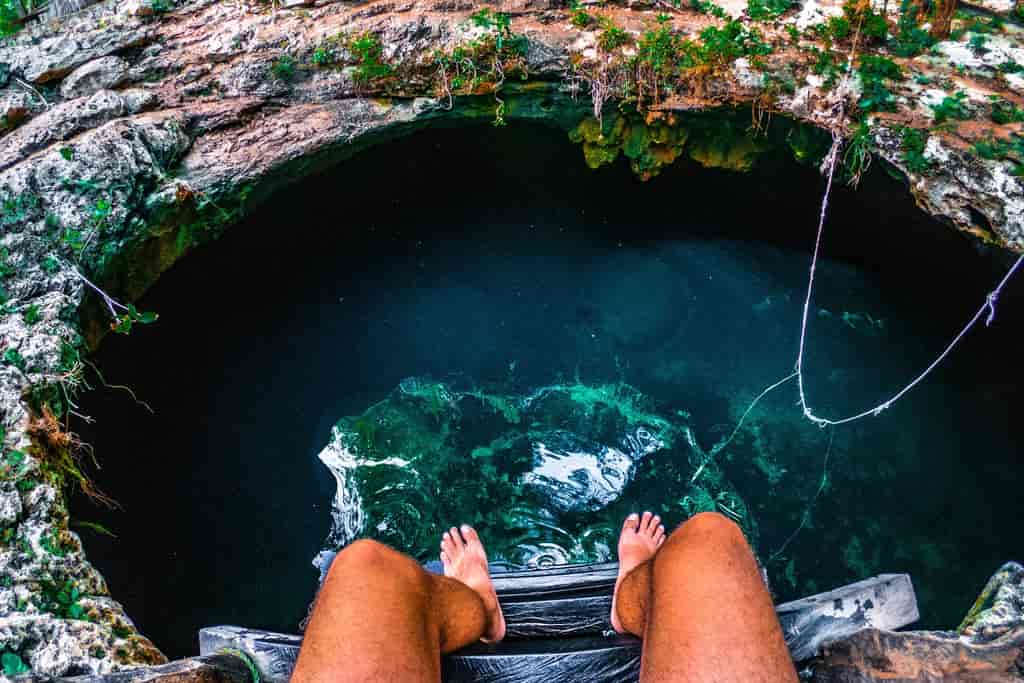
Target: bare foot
(640, 538)
(464, 559)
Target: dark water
(485, 257)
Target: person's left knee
(366, 555)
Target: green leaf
(13, 664)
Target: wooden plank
(559, 618)
(212, 668)
(885, 602)
(577, 579)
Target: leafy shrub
(720, 46)
(910, 39)
(580, 19)
(912, 147)
(612, 36)
(283, 68)
(323, 55)
(767, 9)
(873, 26)
(1004, 112)
(708, 7)
(952, 108)
(874, 73)
(368, 51)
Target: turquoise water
(476, 310)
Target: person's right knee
(712, 524)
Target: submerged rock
(557, 460)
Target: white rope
(988, 306)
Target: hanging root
(62, 454)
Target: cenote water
(472, 326)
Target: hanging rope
(989, 306)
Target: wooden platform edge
(884, 602)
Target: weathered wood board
(555, 621)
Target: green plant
(50, 264)
(912, 144)
(160, 6)
(872, 24)
(1004, 112)
(875, 72)
(825, 65)
(68, 153)
(61, 600)
(857, 157)
(283, 68)
(368, 51)
(910, 39)
(580, 19)
(708, 7)
(323, 56)
(990, 148)
(31, 315)
(132, 316)
(658, 49)
(14, 358)
(977, 44)
(721, 46)
(952, 108)
(611, 36)
(13, 664)
(767, 9)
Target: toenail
(465, 528)
(632, 515)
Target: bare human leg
(701, 607)
(380, 617)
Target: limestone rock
(874, 656)
(100, 74)
(10, 506)
(999, 608)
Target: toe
(655, 524)
(446, 543)
(469, 533)
(645, 522)
(631, 522)
(659, 534)
(456, 538)
(445, 562)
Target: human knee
(711, 527)
(713, 523)
(369, 555)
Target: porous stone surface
(99, 74)
(130, 136)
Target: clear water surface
(464, 303)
